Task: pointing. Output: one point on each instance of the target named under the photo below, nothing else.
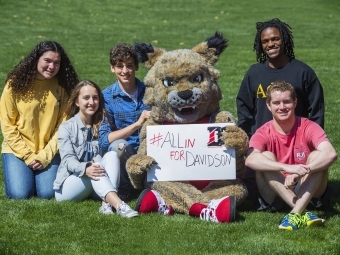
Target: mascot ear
(146, 54)
(212, 47)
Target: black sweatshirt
(252, 110)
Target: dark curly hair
(286, 37)
(21, 78)
(122, 52)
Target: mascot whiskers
(181, 88)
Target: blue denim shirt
(123, 112)
(72, 138)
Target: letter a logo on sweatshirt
(260, 92)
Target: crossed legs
(271, 184)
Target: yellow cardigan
(30, 123)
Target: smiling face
(125, 71)
(272, 42)
(48, 65)
(282, 106)
(88, 103)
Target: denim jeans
(124, 151)
(22, 182)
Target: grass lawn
(88, 30)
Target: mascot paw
(136, 167)
(233, 136)
(140, 163)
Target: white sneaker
(125, 210)
(106, 209)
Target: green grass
(88, 30)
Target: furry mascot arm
(138, 164)
(235, 137)
(232, 136)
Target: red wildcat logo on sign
(214, 133)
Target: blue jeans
(124, 151)
(22, 182)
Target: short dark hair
(122, 52)
(280, 86)
(286, 37)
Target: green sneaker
(311, 220)
(291, 221)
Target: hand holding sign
(138, 165)
(232, 137)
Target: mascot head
(181, 85)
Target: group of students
(70, 140)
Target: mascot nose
(186, 94)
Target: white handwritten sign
(189, 152)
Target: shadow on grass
(335, 185)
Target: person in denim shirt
(123, 102)
(83, 172)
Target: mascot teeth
(187, 108)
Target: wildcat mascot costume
(181, 88)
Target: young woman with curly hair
(32, 108)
